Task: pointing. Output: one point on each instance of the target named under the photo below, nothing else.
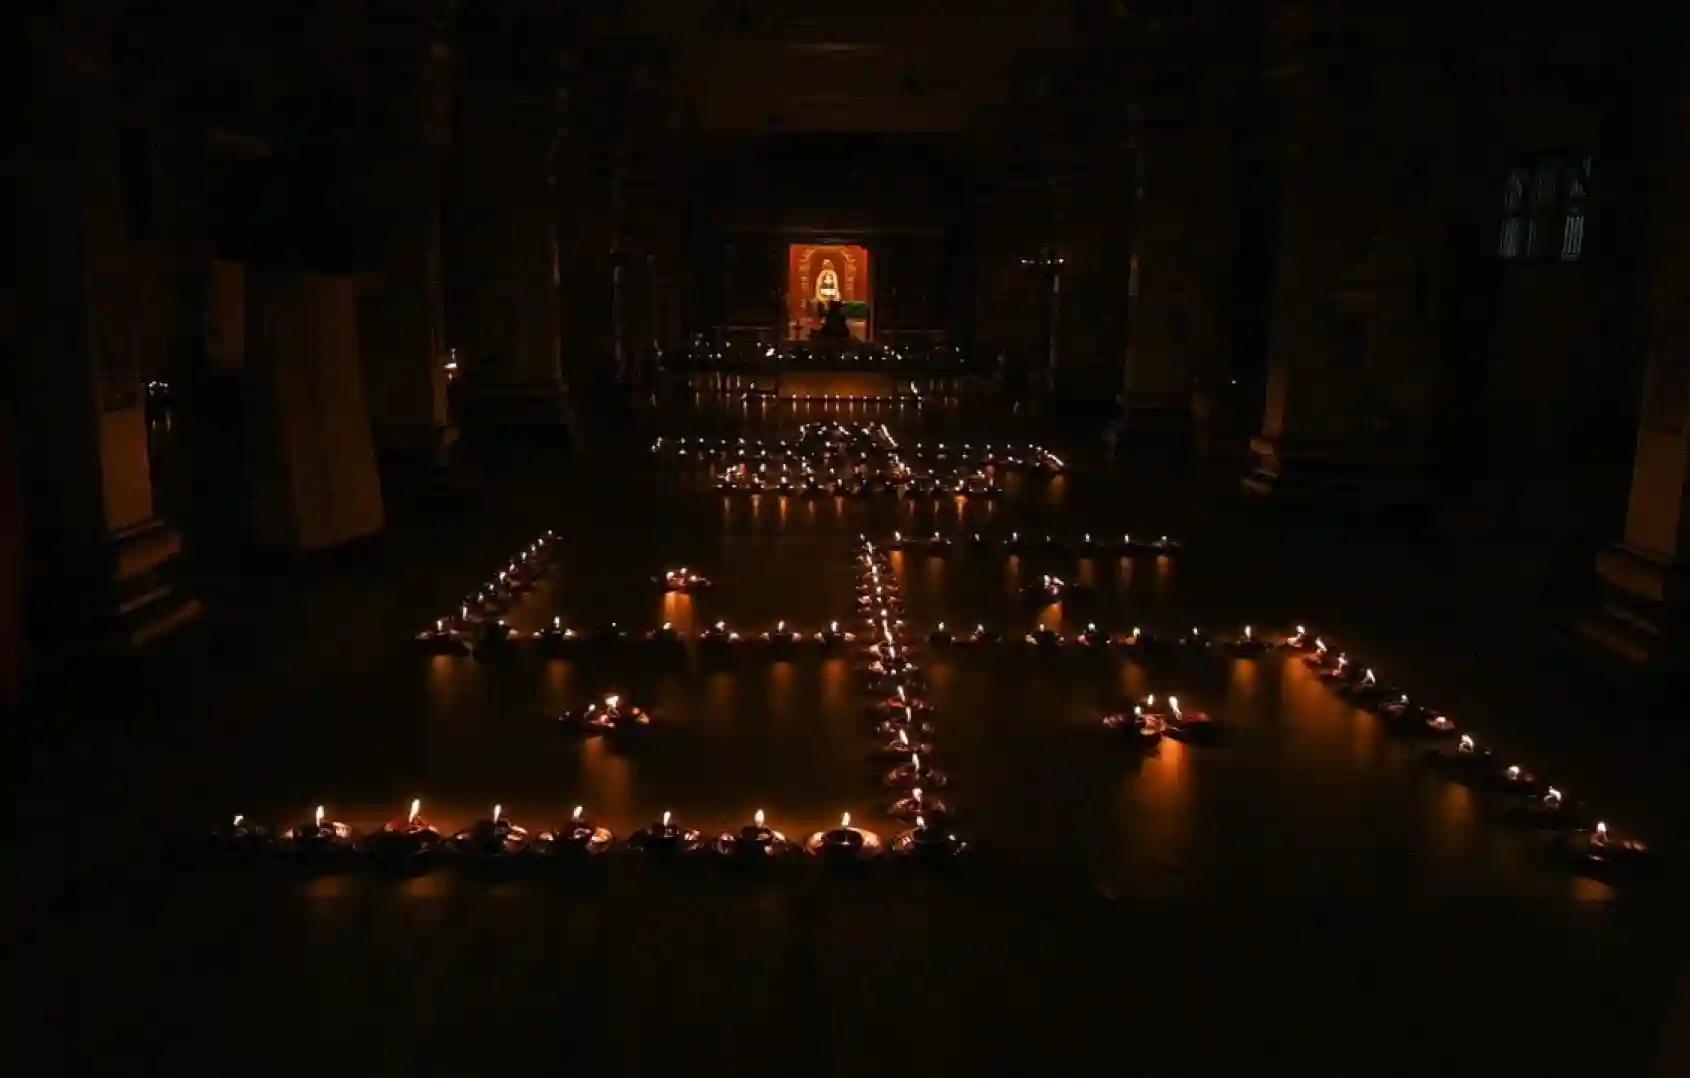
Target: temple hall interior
(1020, 536)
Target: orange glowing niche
(820, 275)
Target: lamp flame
(666, 817)
(757, 817)
(920, 823)
(845, 819)
(238, 819)
(1466, 744)
(319, 815)
(916, 794)
(612, 701)
(416, 808)
(497, 810)
(1513, 772)
(1173, 705)
(575, 816)
(1601, 831)
(903, 739)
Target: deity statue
(827, 285)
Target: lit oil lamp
(407, 844)
(1599, 853)
(981, 635)
(754, 842)
(239, 838)
(558, 636)
(1368, 689)
(780, 636)
(1341, 672)
(492, 839)
(1299, 640)
(929, 843)
(319, 838)
(1162, 546)
(1196, 639)
(1321, 657)
(833, 636)
(1140, 728)
(941, 635)
(442, 638)
(580, 837)
(896, 542)
(916, 771)
(665, 837)
(1549, 810)
(1189, 724)
(1466, 760)
(718, 635)
(844, 844)
(665, 634)
(494, 635)
(684, 580)
(1091, 636)
(917, 802)
(1015, 543)
(901, 745)
(977, 541)
(1515, 779)
(1043, 636)
(938, 544)
(1437, 725)
(1248, 643)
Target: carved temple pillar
(502, 272)
(1351, 327)
(1183, 238)
(102, 563)
(1645, 576)
(402, 312)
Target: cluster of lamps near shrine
(1016, 543)
(479, 620)
(817, 443)
(411, 844)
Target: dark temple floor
(1304, 895)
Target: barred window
(1543, 207)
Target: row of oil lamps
(479, 619)
(868, 438)
(412, 844)
(858, 484)
(904, 718)
(1126, 546)
(1459, 754)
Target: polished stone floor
(1304, 894)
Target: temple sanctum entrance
(827, 292)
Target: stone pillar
(1645, 582)
(502, 252)
(402, 314)
(102, 564)
(1183, 233)
(1351, 330)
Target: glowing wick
(845, 819)
(1247, 634)
(757, 817)
(319, 815)
(497, 810)
(665, 817)
(576, 815)
(416, 807)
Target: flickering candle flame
(1552, 796)
(721, 625)
(666, 626)
(439, 625)
(665, 817)
(576, 815)
(1601, 831)
(833, 626)
(319, 815)
(845, 819)
(757, 817)
(1513, 772)
(1368, 678)
(915, 761)
(557, 622)
(1173, 705)
(416, 809)
(903, 739)
(497, 810)
(1466, 744)
(1150, 701)
(780, 627)
(612, 701)
(1320, 645)
(941, 626)
(916, 794)
(238, 819)
(1247, 634)
(920, 822)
